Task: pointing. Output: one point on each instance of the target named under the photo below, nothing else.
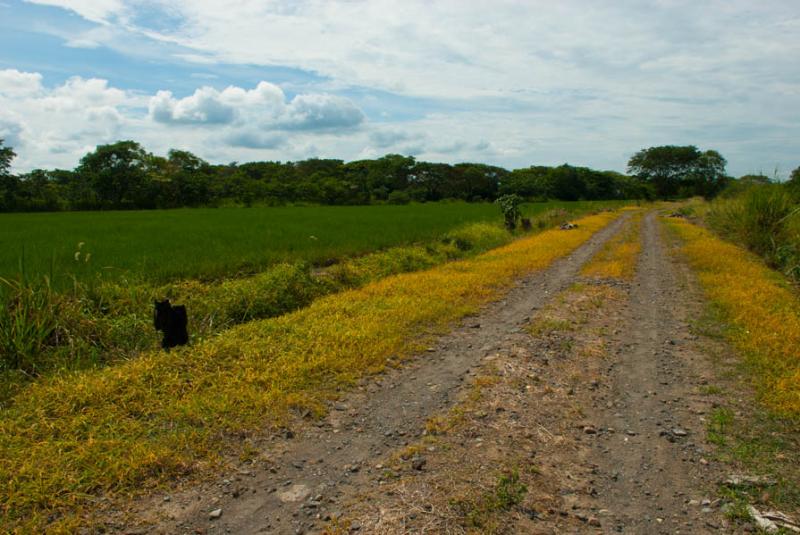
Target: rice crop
(165, 245)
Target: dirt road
(655, 464)
(590, 421)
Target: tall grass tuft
(766, 220)
(28, 323)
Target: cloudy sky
(509, 83)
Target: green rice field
(162, 245)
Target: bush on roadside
(28, 323)
(477, 237)
(766, 219)
(398, 197)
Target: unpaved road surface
(651, 466)
(610, 443)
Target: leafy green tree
(509, 205)
(332, 190)
(599, 184)
(125, 175)
(708, 177)
(118, 172)
(533, 183)
(184, 160)
(668, 167)
(39, 192)
(428, 182)
(389, 173)
(357, 175)
(567, 183)
(630, 187)
(399, 197)
(76, 189)
(6, 155)
(477, 182)
(190, 178)
(794, 184)
(9, 184)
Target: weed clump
(27, 323)
(507, 493)
(766, 219)
(477, 237)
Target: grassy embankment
(120, 429)
(97, 323)
(762, 308)
(757, 311)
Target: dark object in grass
(526, 224)
(172, 321)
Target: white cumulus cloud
(203, 107)
(585, 82)
(50, 127)
(264, 107)
(14, 83)
(55, 126)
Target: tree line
(123, 175)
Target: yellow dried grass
(617, 259)
(761, 307)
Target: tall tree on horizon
(118, 171)
(6, 155)
(8, 183)
(679, 170)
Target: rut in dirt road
(653, 466)
(314, 470)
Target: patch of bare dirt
(503, 459)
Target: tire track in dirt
(300, 478)
(650, 473)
